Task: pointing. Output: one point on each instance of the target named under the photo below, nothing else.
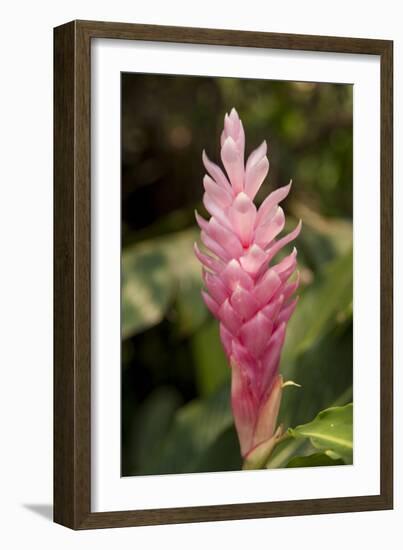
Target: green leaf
(325, 304)
(211, 364)
(316, 459)
(322, 238)
(331, 431)
(189, 309)
(318, 350)
(158, 274)
(289, 447)
(325, 375)
(154, 419)
(196, 427)
(147, 288)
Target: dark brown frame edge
(72, 214)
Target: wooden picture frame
(72, 271)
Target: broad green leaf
(323, 238)
(196, 427)
(147, 288)
(290, 447)
(315, 247)
(316, 459)
(331, 431)
(325, 304)
(189, 309)
(160, 274)
(154, 419)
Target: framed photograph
(222, 275)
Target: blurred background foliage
(176, 413)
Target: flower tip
(287, 188)
(234, 113)
(263, 151)
(297, 229)
(196, 214)
(202, 223)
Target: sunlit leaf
(147, 288)
(331, 431)
(291, 447)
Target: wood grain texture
(72, 263)
(64, 383)
(72, 296)
(219, 37)
(386, 282)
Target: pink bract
(250, 295)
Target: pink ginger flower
(246, 291)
